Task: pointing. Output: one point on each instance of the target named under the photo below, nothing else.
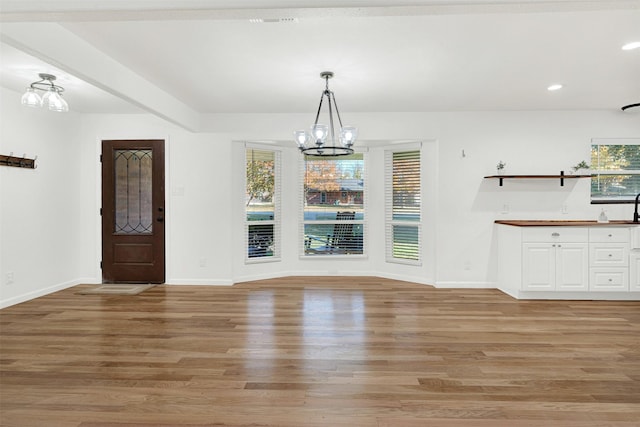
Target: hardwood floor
(308, 351)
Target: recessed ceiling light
(631, 46)
(554, 87)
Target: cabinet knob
(610, 235)
(610, 255)
(555, 234)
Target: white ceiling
(198, 57)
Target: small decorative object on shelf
(581, 165)
(500, 167)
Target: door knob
(160, 219)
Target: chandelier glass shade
(320, 140)
(52, 98)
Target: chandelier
(314, 142)
(52, 98)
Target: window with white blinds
(333, 208)
(615, 170)
(403, 206)
(262, 204)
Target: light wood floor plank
(313, 351)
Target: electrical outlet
(505, 208)
(10, 278)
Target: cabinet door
(634, 272)
(572, 267)
(538, 267)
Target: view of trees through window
(615, 172)
(334, 205)
(260, 202)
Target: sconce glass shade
(348, 135)
(54, 101)
(31, 98)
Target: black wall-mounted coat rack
(18, 162)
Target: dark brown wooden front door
(133, 246)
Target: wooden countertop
(564, 223)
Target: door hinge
(101, 265)
(100, 211)
(100, 158)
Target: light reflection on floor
(332, 328)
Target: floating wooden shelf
(561, 177)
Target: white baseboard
(42, 292)
(466, 285)
(201, 282)
(406, 278)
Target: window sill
(262, 260)
(334, 256)
(404, 262)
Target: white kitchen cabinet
(634, 260)
(609, 259)
(555, 266)
(569, 262)
(607, 279)
(634, 271)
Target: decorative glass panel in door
(133, 196)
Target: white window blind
(333, 205)
(403, 222)
(262, 204)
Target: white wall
(530, 142)
(39, 208)
(204, 191)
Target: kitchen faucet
(635, 212)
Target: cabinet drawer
(609, 234)
(605, 254)
(609, 279)
(555, 234)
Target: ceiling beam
(62, 49)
